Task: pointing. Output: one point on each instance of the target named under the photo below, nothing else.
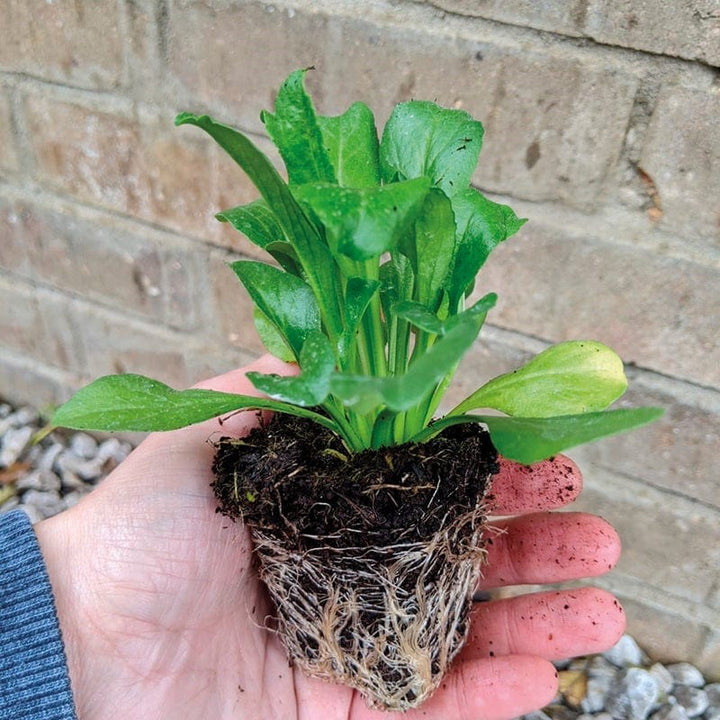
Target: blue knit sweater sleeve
(34, 681)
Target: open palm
(164, 617)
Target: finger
(545, 485)
(487, 689)
(552, 625)
(549, 547)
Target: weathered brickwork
(601, 127)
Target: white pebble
(14, 442)
(625, 653)
(83, 445)
(683, 673)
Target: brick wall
(601, 126)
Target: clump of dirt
(295, 478)
(371, 559)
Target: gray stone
(83, 445)
(5, 410)
(713, 693)
(625, 653)
(694, 700)
(598, 666)
(598, 687)
(670, 711)
(48, 457)
(14, 442)
(632, 695)
(46, 504)
(86, 469)
(113, 449)
(683, 673)
(25, 416)
(74, 497)
(43, 480)
(663, 677)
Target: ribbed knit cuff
(34, 681)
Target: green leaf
(271, 338)
(135, 403)
(572, 377)
(358, 294)
(481, 226)
(529, 440)
(311, 387)
(420, 316)
(295, 131)
(258, 223)
(401, 392)
(287, 301)
(352, 145)
(421, 138)
(431, 247)
(363, 223)
(312, 252)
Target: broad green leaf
(363, 223)
(401, 392)
(311, 387)
(352, 145)
(481, 226)
(295, 131)
(135, 403)
(286, 300)
(271, 338)
(258, 223)
(572, 377)
(255, 220)
(423, 139)
(312, 252)
(431, 247)
(358, 294)
(529, 440)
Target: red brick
(678, 452)
(684, 28)
(75, 43)
(20, 321)
(682, 157)
(557, 16)
(656, 311)
(25, 382)
(9, 160)
(670, 544)
(554, 125)
(232, 310)
(254, 47)
(92, 255)
(139, 166)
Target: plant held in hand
(366, 510)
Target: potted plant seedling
(366, 510)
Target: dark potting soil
(295, 479)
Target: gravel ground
(622, 684)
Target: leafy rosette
(374, 245)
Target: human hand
(163, 615)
